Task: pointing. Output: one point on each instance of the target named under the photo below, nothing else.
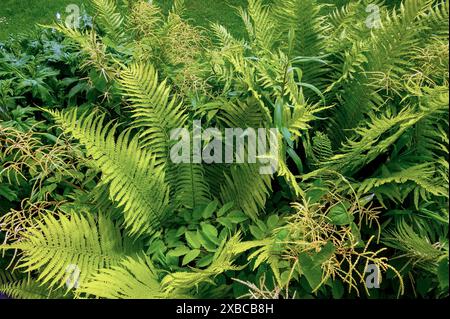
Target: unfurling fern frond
(71, 248)
(136, 183)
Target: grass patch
(17, 16)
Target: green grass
(203, 12)
(17, 16)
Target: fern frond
(234, 113)
(7, 276)
(260, 25)
(110, 20)
(369, 144)
(29, 289)
(190, 186)
(155, 111)
(321, 147)
(136, 183)
(389, 50)
(422, 176)
(436, 21)
(77, 241)
(303, 17)
(225, 38)
(132, 278)
(418, 247)
(246, 187)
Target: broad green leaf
(190, 256)
(339, 215)
(237, 217)
(179, 251)
(224, 209)
(309, 269)
(193, 239)
(272, 221)
(210, 209)
(210, 232)
(207, 243)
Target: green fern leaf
(61, 242)
(136, 183)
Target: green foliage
(136, 182)
(132, 279)
(56, 244)
(361, 109)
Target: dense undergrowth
(92, 206)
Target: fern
(260, 27)
(190, 185)
(304, 19)
(110, 19)
(155, 112)
(29, 289)
(322, 148)
(246, 177)
(389, 50)
(416, 246)
(421, 175)
(136, 183)
(132, 278)
(369, 145)
(61, 242)
(362, 120)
